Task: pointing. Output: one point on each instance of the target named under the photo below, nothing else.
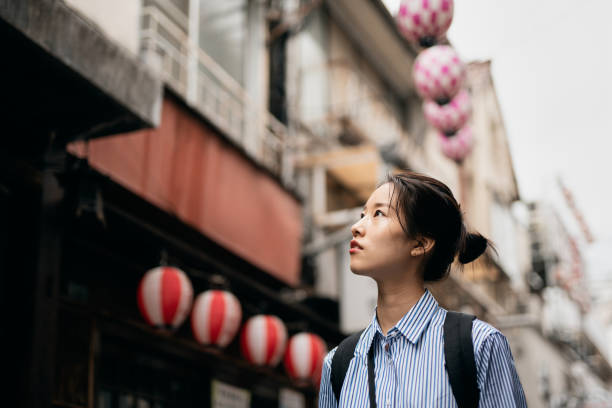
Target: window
(223, 28)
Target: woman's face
(380, 247)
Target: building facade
(559, 293)
(153, 143)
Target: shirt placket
(389, 368)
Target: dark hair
(427, 207)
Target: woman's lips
(355, 247)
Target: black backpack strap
(459, 358)
(340, 362)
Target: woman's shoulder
(481, 330)
(330, 355)
(487, 340)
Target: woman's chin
(358, 270)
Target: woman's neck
(395, 299)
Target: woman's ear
(423, 246)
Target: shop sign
(228, 396)
(288, 398)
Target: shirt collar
(411, 325)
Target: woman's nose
(357, 228)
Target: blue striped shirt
(409, 365)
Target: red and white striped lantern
(165, 295)
(457, 147)
(424, 21)
(451, 117)
(215, 318)
(438, 74)
(304, 357)
(263, 340)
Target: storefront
(81, 228)
(110, 354)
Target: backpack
(458, 356)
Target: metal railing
(358, 107)
(208, 88)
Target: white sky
(552, 67)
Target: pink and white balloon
(451, 117)
(438, 74)
(304, 357)
(263, 340)
(165, 295)
(457, 147)
(215, 318)
(424, 21)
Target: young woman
(409, 233)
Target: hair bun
(473, 246)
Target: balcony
(354, 110)
(209, 89)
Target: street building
(238, 141)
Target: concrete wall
(538, 362)
(491, 157)
(118, 19)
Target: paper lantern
(451, 117)
(424, 21)
(165, 295)
(304, 357)
(438, 74)
(263, 340)
(215, 318)
(457, 147)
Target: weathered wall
(72, 44)
(119, 19)
(538, 362)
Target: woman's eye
(361, 215)
(378, 211)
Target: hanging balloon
(215, 318)
(304, 357)
(165, 295)
(263, 340)
(424, 21)
(451, 117)
(438, 74)
(457, 147)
